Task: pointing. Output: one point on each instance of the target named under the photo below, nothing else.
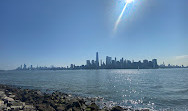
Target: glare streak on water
(147, 88)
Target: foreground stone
(15, 99)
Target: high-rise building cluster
(24, 67)
(121, 64)
(108, 64)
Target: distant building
(24, 67)
(108, 60)
(93, 62)
(150, 64)
(72, 66)
(145, 61)
(101, 62)
(128, 62)
(154, 61)
(110, 64)
(88, 63)
(97, 59)
(121, 63)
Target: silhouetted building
(93, 62)
(145, 61)
(154, 61)
(121, 63)
(101, 62)
(108, 60)
(31, 67)
(97, 60)
(110, 64)
(71, 66)
(88, 63)
(24, 67)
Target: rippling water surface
(147, 88)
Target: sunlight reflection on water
(149, 88)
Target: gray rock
(1, 102)
(28, 108)
(2, 94)
(8, 99)
(145, 109)
(16, 107)
(93, 107)
(117, 108)
(2, 105)
(8, 109)
(11, 96)
(61, 108)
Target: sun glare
(118, 20)
(129, 1)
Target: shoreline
(14, 98)
(90, 69)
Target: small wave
(157, 87)
(183, 91)
(171, 102)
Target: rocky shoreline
(17, 99)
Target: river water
(157, 89)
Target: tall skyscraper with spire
(97, 59)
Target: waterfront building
(88, 63)
(145, 61)
(121, 63)
(154, 61)
(150, 64)
(93, 62)
(97, 59)
(108, 60)
(110, 64)
(24, 67)
(101, 62)
(71, 66)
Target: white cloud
(184, 57)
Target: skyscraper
(97, 60)
(88, 63)
(93, 62)
(108, 60)
(154, 61)
(101, 62)
(24, 67)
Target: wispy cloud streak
(182, 57)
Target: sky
(61, 32)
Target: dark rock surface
(15, 99)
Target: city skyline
(62, 32)
(163, 64)
(110, 63)
(79, 55)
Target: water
(147, 88)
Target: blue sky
(61, 32)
